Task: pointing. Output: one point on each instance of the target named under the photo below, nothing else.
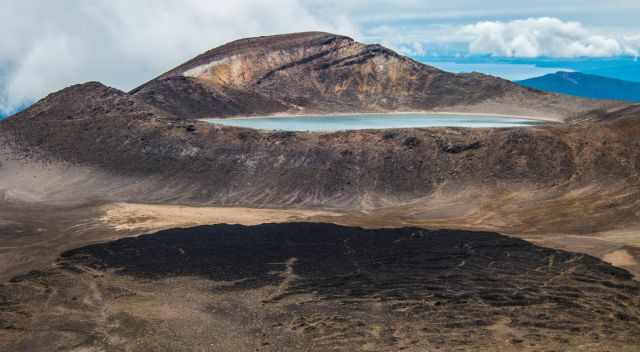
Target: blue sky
(52, 44)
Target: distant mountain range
(585, 85)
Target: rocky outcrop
(459, 148)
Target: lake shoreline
(374, 121)
(391, 114)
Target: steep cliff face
(323, 73)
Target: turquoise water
(323, 123)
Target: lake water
(324, 123)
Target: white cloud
(398, 39)
(48, 45)
(413, 49)
(536, 37)
(632, 44)
(532, 37)
(377, 11)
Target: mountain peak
(90, 100)
(260, 45)
(317, 72)
(290, 39)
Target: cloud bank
(48, 45)
(546, 36)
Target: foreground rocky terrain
(316, 287)
(90, 165)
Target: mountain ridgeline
(326, 73)
(585, 85)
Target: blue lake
(324, 123)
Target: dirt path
(144, 217)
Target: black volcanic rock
(319, 287)
(459, 148)
(413, 261)
(325, 73)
